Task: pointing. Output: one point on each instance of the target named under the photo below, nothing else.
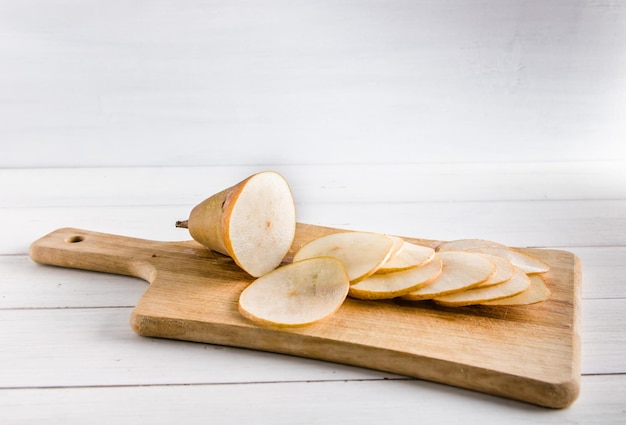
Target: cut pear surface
(527, 263)
(461, 270)
(297, 294)
(518, 283)
(391, 285)
(361, 253)
(262, 225)
(253, 222)
(537, 292)
(410, 256)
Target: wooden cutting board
(527, 353)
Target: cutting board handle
(87, 250)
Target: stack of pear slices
(254, 223)
(458, 273)
(374, 266)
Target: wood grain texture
(530, 353)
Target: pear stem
(183, 224)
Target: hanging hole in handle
(74, 239)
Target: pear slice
(398, 245)
(297, 294)
(461, 270)
(518, 283)
(537, 292)
(253, 222)
(361, 253)
(411, 255)
(466, 244)
(527, 263)
(391, 285)
(504, 270)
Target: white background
(144, 83)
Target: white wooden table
(69, 353)
(439, 120)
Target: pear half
(253, 222)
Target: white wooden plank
(371, 183)
(144, 222)
(541, 224)
(603, 336)
(24, 284)
(601, 401)
(300, 83)
(96, 346)
(549, 223)
(604, 271)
